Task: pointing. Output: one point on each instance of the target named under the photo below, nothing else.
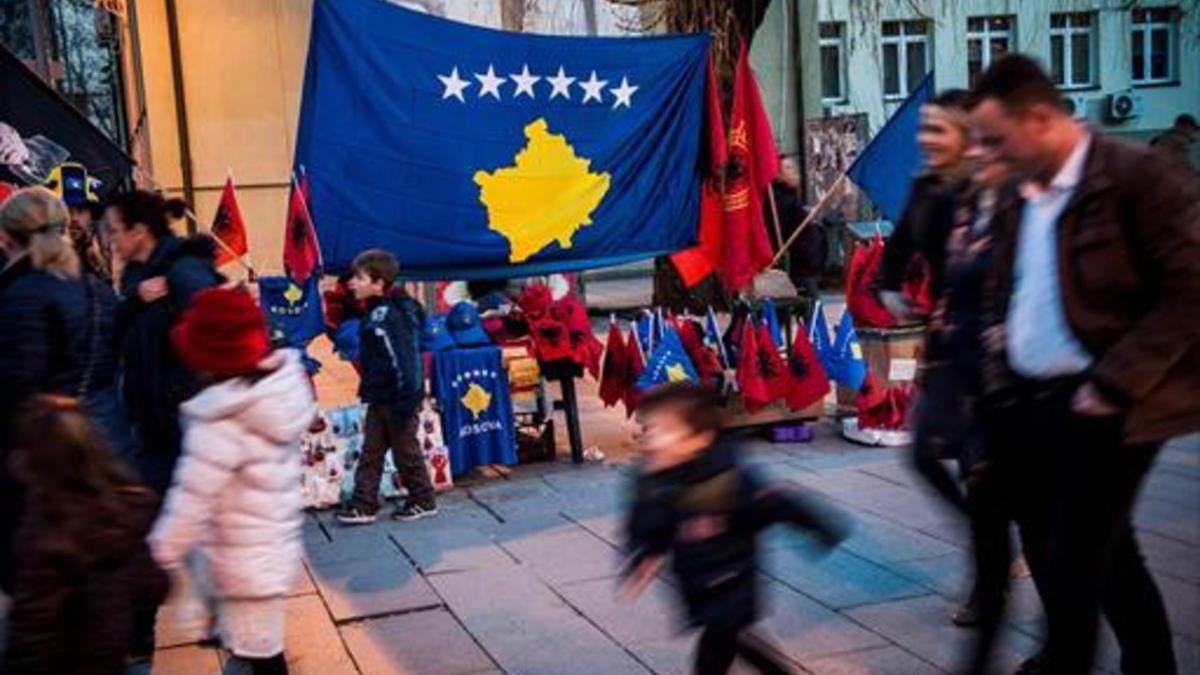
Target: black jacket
(923, 228)
(72, 611)
(154, 383)
(389, 352)
(707, 513)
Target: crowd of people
(1057, 360)
(149, 422)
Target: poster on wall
(831, 144)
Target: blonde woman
(56, 328)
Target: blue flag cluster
(473, 153)
(886, 167)
(843, 357)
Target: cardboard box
(892, 354)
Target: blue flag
(849, 368)
(668, 362)
(474, 153)
(293, 309)
(647, 333)
(886, 167)
(771, 317)
(712, 337)
(818, 332)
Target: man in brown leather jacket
(1093, 356)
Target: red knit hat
(222, 333)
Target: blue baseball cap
(465, 326)
(434, 335)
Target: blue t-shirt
(471, 387)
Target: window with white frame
(1073, 49)
(988, 38)
(833, 63)
(1153, 36)
(905, 56)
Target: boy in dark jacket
(392, 386)
(696, 501)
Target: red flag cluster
(764, 376)
(301, 251)
(733, 237)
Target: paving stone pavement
(517, 575)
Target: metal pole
(181, 116)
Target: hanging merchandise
(321, 465)
(472, 391)
(612, 375)
(810, 381)
(433, 447)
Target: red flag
(699, 261)
(229, 227)
(616, 366)
(705, 360)
(774, 369)
(753, 164)
(810, 383)
(862, 296)
(756, 393)
(635, 365)
(301, 252)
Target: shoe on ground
(412, 512)
(354, 515)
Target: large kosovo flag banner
(474, 153)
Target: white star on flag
(524, 81)
(592, 88)
(489, 83)
(623, 94)
(454, 85)
(561, 84)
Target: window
(1153, 39)
(988, 38)
(905, 56)
(1073, 49)
(833, 65)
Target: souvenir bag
(321, 465)
(433, 446)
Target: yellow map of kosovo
(546, 196)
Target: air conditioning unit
(1125, 105)
(1077, 105)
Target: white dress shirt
(1039, 339)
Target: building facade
(1128, 68)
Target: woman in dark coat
(162, 272)
(55, 330)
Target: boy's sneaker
(412, 512)
(354, 515)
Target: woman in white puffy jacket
(235, 499)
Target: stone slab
(803, 628)
(429, 643)
(891, 660)
(451, 549)
(564, 557)
(919, 624)
(312, 645)
(187, 660)
(839, 580)
(355, 589)
(653, 617)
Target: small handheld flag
(771, 317)
(635, 366)
(810, 382)
(612, 375)
(846, 364)
(301, 252)
(712, 335)
(818, 333)
(668, 363)
(228, 226)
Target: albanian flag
(635, 365)
(228, 227)
(696, 263)
(810, 383)
(775, 370)
(301, 252)
(616, 366)
(752, 381)
(753, 164)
